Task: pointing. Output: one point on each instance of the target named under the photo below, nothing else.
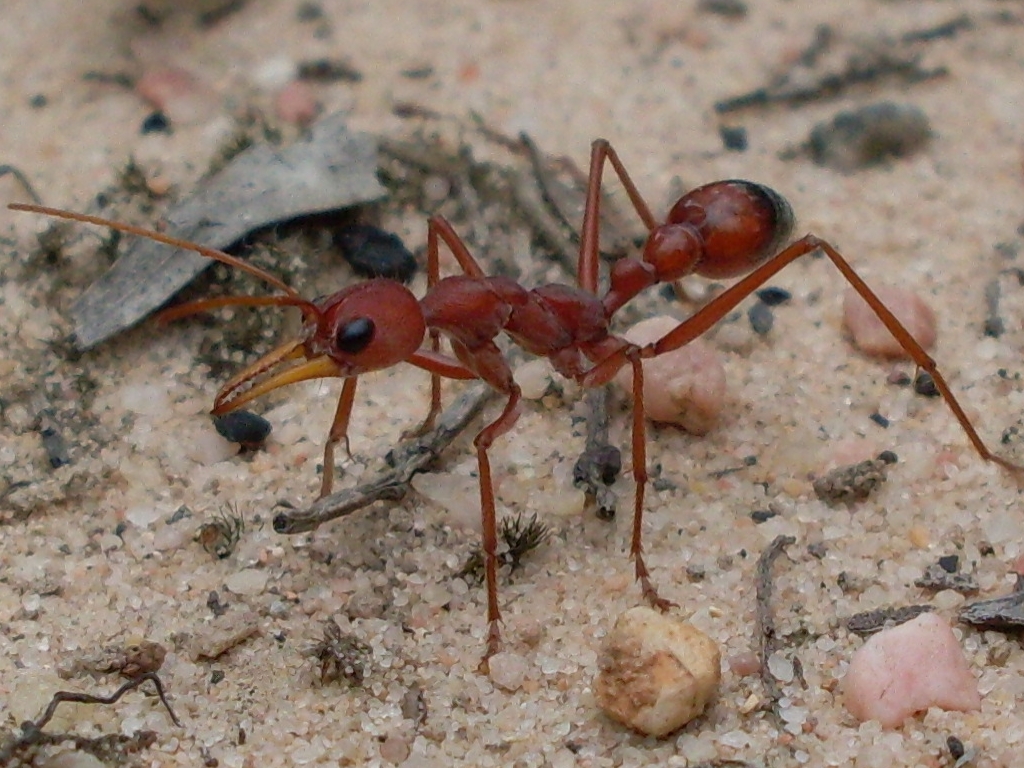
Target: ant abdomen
(740, 224)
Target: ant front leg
(339, 431)
(725, 302)
(438, 229)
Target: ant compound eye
(354, 336)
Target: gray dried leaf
(330, 169)
(1000, 613)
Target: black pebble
(924, 384)
(949, 563)
(761, 318)
(773, 296)
(243, 427)
(156, 122)
(372, 252)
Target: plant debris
(869, 622)
(342, 656)
(21, 748)
(220, 535)
(936, 577)
(854, 482)
(127, 660)
(768, 643)
(262, 185)
(518, 535)
(868, 136)
(1005, 614)
(601, 462)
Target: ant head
(739, 223)
(367, 327)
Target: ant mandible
(719, 230)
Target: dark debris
(870, 622)
(855, 482)
(342, 657)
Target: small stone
(685, 387)
(179, 94)
(395, 749)
(72, 759)
(296, 103)
(656, 673)
(534, 378)
(908, 669)
(250, 581)
(870, 334)
(507, 670)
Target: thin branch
(766, 618)
(409, 459)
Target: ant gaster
(720, 230)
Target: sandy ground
(94, 555)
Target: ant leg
(636, 548)
(339, 431)
(601, 151)
(489, 517)
(438, 229)
(725, 302)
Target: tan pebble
(793, 487)
(869, 333)
(752, 702)
(743, 664)
(919, 536)
(656, 673)
(395, 749)
(685, 387)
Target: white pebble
(507, 670)
(534, 378)
(656, 673)
(781, 667)
(685, 387)
(250, 581)
(870, 334)
(72, 759)
(907, 669)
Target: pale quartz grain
(72, 759)
(534, 378)
(657, 673)
(685, 387)
(249, 581)
(507, 670)
(869, 333)
(458, 494)
(907, 669)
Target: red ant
(723, 229)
